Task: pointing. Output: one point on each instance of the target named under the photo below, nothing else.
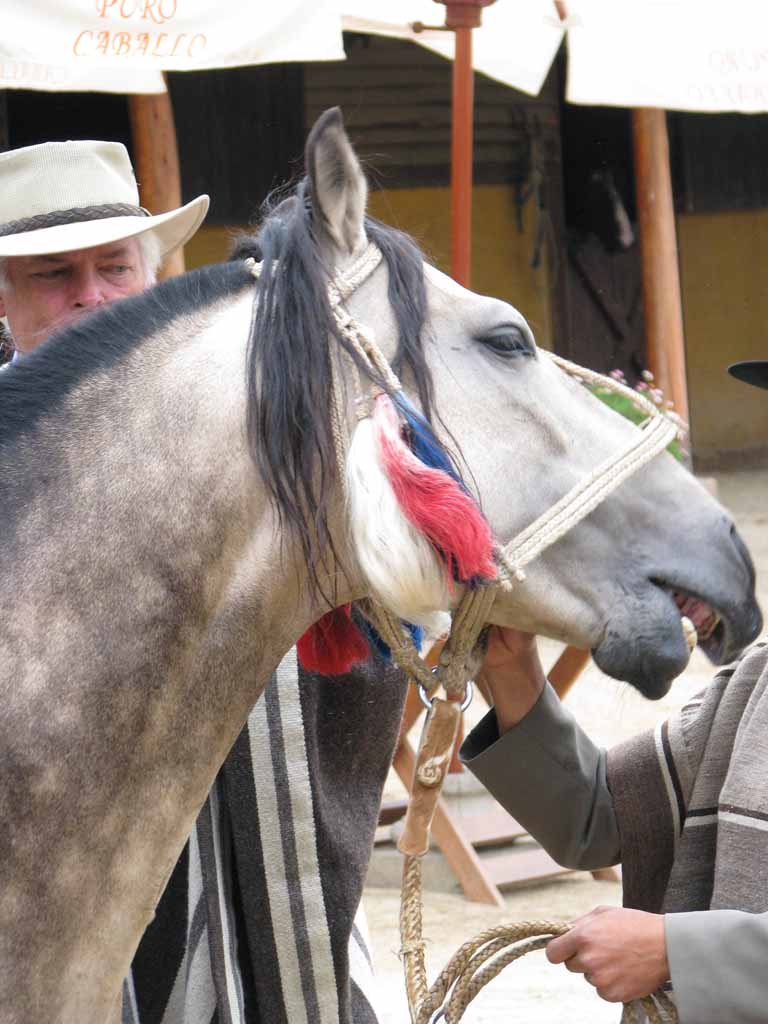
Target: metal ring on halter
(427, 701)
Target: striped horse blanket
(261, 920)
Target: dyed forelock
(289, 376)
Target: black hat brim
(752, 371)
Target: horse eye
(508, 340)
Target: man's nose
(89, 290)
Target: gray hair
(151, 256)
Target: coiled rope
(480, 960)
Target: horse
(175, 520)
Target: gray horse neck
(139, 578)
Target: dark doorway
(605, 315)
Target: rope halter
(462, 653)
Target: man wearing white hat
(73, 235)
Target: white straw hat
(61, 196)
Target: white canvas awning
(29, 74)
(125, 45)
(674, 54)
(515, 44)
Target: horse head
(520, 430)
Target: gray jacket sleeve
(552, 778)
(717, 959)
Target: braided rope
(390, 628)
(365, 345)
(344, 284)
(75, 215)
(479, 961)
(657, 1009)
(412, 938)
(594, 488)
(582, 499)
(460, 658)
(482, 959)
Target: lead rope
(481, 959)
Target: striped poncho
(691, 802)
(691, 799)
(260, 921)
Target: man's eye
(118, 269)
(508, 340)
(49, 275)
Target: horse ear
(339, 189)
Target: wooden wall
(396, 100)
(240, 133)
(719, 161)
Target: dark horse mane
(289, 369)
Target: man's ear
(339, 188)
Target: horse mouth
(701, 624)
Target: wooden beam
(567, 669)
(156, 162)
(459, 853)
(662, 304)
(461, 157)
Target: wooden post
(462, 16)
(156, 162)
(662, 304)
(462, 130)
(567, 669)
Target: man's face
(45, 293)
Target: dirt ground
(531, 989)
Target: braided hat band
(76, 215)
